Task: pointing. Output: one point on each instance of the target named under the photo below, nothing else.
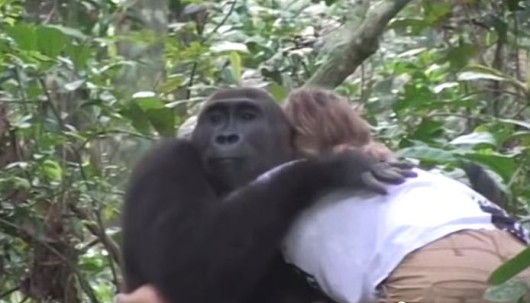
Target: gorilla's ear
(186, 129)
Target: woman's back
(349, 243)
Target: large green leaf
(503, 165)
(79, 54)
(427, 153)
(277, 91)
(52, 170)
(475, 138)
(227, 46)
(459, 56)
(235, 65)
(479, 72)
(511, 268)
(50, 41)
(511, 291)
(427, 131)
(137, 117)
(24, 35)
(163, 120)
(516, 122)
(147, 100)
(152, 110)
(69, 31)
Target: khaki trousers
(453, 269)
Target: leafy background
(87, 85)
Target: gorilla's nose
(227, 139)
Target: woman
(431, 239)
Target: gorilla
(201, 228)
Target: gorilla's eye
(215, 118)
(247, 116)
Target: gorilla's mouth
(225, 163)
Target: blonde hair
(330, 122)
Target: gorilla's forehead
(242, 94)
(231, 101)
(236, 102)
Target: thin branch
(85, 286)
(9, 291)
(346, 56)
(204, 39)
(99, 232)
(227, 15)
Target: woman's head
(324, 120)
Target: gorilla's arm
(283, 284)
(483, 183)
(195, 247)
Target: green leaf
(74, 85)
(414, 96)
(447, 85)
(147, 100)
(511, 268)
(277, 91)
(68, 31)
(91, 264)
(235, 64)
(516, 122)
(427, 131)
(137, 117)
(24, 36)
(479, 72)
(51, 41)
(514, 5)
(227, 46)
(79, 54)
(459, 56)
(148, 110)
(435, 12)
(510, 292)
(427, 153)
(476, 75)
(21, 183)
(163, 121)
(415, 24)
(503, 165)
(171, 84)
(52, 170)
(475, 139)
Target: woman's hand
(144, 294)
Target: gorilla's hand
(394, 172)
(354, 168)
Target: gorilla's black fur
(481, 182)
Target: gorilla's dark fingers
(386, 173)
(402, 163)
(373, 184)
(404, 168)
(407, 173)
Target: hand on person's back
(144, 294)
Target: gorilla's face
(240, 134)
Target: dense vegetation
(86, 85)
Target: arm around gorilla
(196, 247)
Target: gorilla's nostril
(233, 138)
(227, 139)
(220, 139)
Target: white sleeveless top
(349, 242)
